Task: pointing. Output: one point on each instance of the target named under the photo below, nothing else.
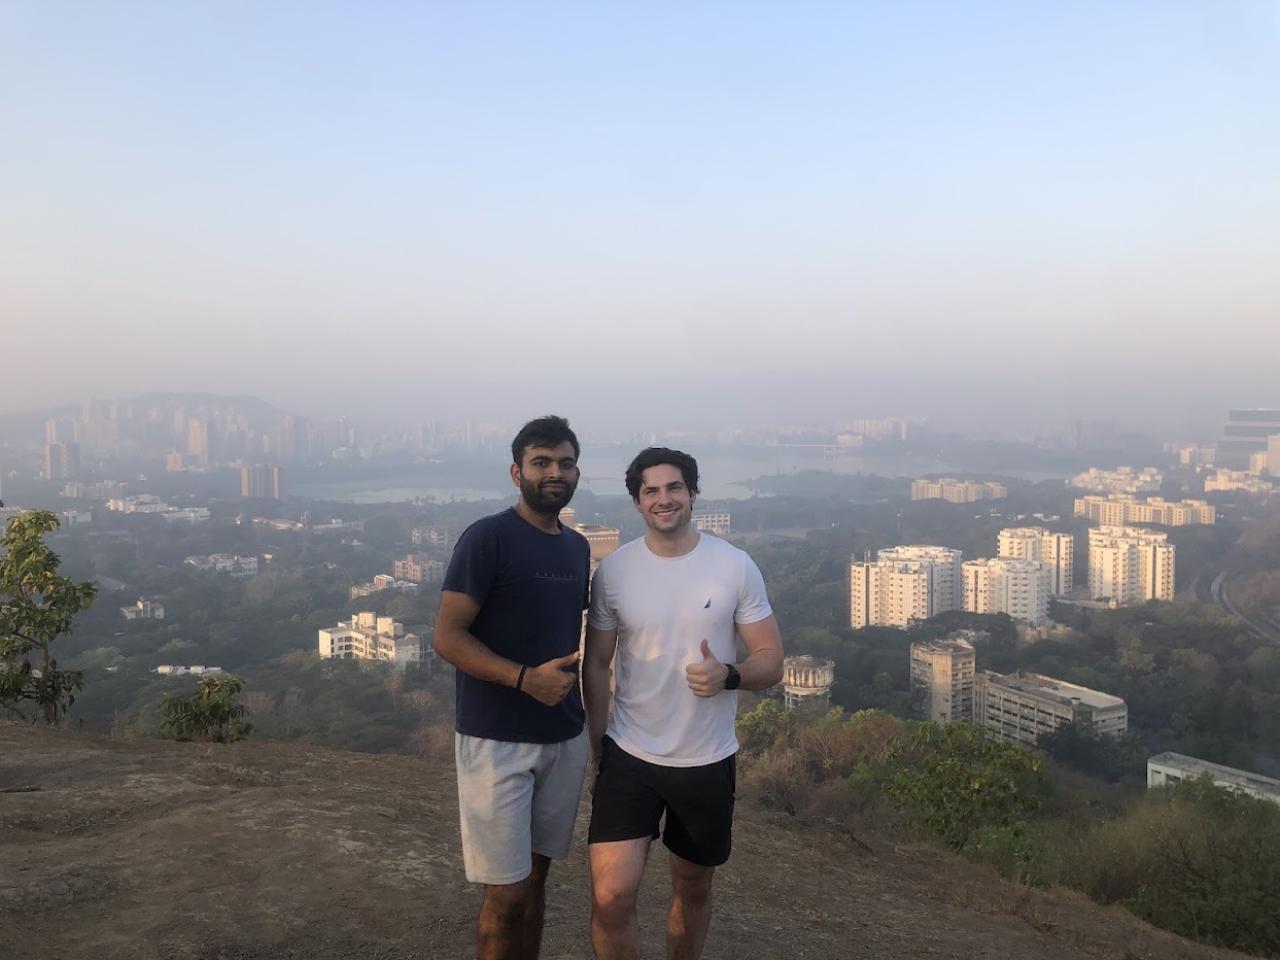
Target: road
(1218, 590)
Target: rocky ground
(261, 851)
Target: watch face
(733, 679)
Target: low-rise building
(338, 526)
(418, 568)
(233, 565)
(142, 503)
(957, 491)
(75, 518)
(716, 524)
(173, 670)
(1024, 707)
(382, 582)
(186, 515)
(1120, 509)
(367, 636)
(602, 540)
(144, 610)
(1170, 769)
(430, 536)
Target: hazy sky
(635, 212)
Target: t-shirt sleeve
(753, 601)
(601, 614)
(473, 568)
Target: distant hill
(263, 851)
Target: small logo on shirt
(707, 605)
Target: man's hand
(706, 677)
(550, 682)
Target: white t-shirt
(663, 608)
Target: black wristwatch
(734, 679)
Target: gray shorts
(516, 799)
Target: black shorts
(631, 795)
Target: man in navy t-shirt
(510, 621)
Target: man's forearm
(760, 670)
(595, 700)
(472, 657)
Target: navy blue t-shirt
(532, 588)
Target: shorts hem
(700, 861)
(501, 881)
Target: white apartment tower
(1020, 588)
(1036, 543)
(943, 565)
(942, 673)
(883, 594)
(1130, 565)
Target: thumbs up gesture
(550, 682)
(706, 676)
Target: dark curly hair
(656, 456)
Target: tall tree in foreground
(36, 607)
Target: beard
(550, 501)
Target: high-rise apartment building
(1024, 707)
(942, 678)
(943, 565)
(1120, 509)
(260, 481)
(903, 584)
(957, 491)
(1130, 565)
(1019, 588)
(884, 594)
(1057, 550)
(61, 461)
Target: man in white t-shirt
(670, 605)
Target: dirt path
(260, 851)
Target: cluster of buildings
(1223, 480)
(234, 566)
(382, 582)
(367, 636)
(957, 491)
(1122, 480)
(147, 503)
(947, 686)
(916, 582)
(407, 576)
(1250, 442)
(1120, 509)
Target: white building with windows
(1019, 588)
(1131, 565)
(233, 565)
(1170, 769)
(716, 524)
(367, 636)
(1024, 707)
(1036, 543)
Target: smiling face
(664, 500)
(547, 477)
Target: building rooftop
(1255, 781)
(948, 645)
(1059, 690)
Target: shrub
(212, 714)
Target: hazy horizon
(993, 215)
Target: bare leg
(535, 905)
(616, 871)
(500, 928)
(690, 915)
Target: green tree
(212, 714)
(950, 780)
(37, 605)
